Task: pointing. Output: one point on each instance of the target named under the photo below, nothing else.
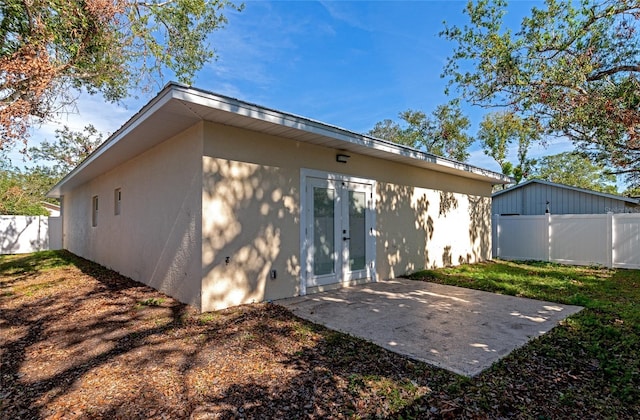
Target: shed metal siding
(532, 199)
(510, 203)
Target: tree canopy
(576, 170)
(632, 192)
(443, 133)
(68, 150)
(572, 66)
(52, 49)
(22, 191)
(498, 132)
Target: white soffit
(178, 107)
(229, 111)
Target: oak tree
(443, 133)
(21, 192)
(499, 132)
(68, 149)
(573, 66)
(576, 170)
(50, 50)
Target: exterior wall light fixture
(342, 158)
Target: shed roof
(567, 187)
(178, 107)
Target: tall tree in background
(442, 134)
(632, 192)
(576, 170)
(68, 150)
(392, 131)
(18, 195)
(22, 191)
(574, 66)
(60, 156)
(501, 130)
(50, 50)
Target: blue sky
(346, 63)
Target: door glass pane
(357, 230)
(323, 231)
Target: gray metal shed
(535, 197)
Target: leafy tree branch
(443, 133)
(52, 49)
(574, 67)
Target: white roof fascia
(199, 100)
(212, 100)
(149, 109)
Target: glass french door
(338, 230)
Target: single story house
(536, 197)
(219, 202)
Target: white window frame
(94, 211)
(117, 201)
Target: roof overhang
(178, 107)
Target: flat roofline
(188, 105)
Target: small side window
(94, 206)
(117, 199)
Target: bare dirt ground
(83, 342)
(78, 341)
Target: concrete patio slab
(461, 330)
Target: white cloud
(344, 11)
(480, 159)
(252, 46)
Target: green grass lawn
(606, 333)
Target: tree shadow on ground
(103, 346)
(97, 344)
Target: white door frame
(305, 245)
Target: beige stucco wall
(250, 202)
(156, 238)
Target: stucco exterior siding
(224, 202)
(251, 214)
(156, 237)
(249, 227)
(426, 228)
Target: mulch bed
(84, 342)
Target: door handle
(344, 238)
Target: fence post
(39, 234)
(609, 240)
(549, 235)
(55, 232)
(495, 236)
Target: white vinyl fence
(24, 234)
(612, 240)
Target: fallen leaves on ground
(81, 342)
